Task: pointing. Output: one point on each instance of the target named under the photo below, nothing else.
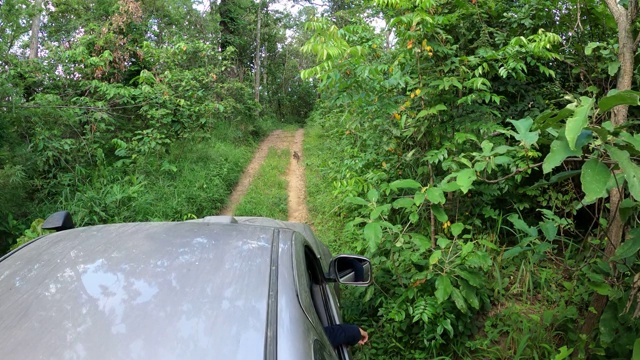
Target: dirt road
(297, 194)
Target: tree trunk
(35, 30)
(227, 21)
(624, 18)
(256, 89)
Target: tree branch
(633, 10)
(516, 172)
(616, 10)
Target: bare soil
(297, 194)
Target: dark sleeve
(342, 334)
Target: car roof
(186, 290)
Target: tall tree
(35, 30)
(256, 86)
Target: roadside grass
(329, 224)
(267, 194)
(205, 174)
(322, 205)
(193, 180)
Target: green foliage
(465, 133)
(33, 232)
(102, 121)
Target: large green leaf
(625, 97)
(405, 203)
(469, 293)
(613, 67)
(443, 288)
(373, 235)
(461, 304)
(435, 257)
(356, 200)
(549, 229)
(629, 247)
(548, 120)
(560, 150)
(630, 170)
(578, 121)
(405, 184)
(456, 229)
(465, 179)
(435, 195)
(439, 213)
(473, 277)
(595, 177)
(526, 137)
(631, 139)
(519, 224)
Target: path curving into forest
(297, 191)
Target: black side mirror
(58, 221)
(350, 270)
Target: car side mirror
(350, 270)
(58, 221)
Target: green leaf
(625, 97)
(636, 350)
(373, 235)
(435, 257)
(564, 353)
(419, 198)
(405, 184)
(526, 137)
(629, 247)
(356, 200)
(631, 139)
(549, 229)
(630, 170)
(443, 288)
(521, 225)
(373, 195)
(515, 251)
(479, 259)
(456, 229)
(560, 150)
(523, 125)
(578, 121)
(473, 278)
(439, 213)
(435, 195)
(588, 50)
(469, 293)
(405, 203)
(594, 178)
(465, 179)
(379, 210)
(613, 67)
(601, 288)
(459, 300)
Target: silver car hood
(191, 290)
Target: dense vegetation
(483, 153)
(486, 168)
(126, 110)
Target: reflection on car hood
(190, 290)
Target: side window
(316, 286)
(320, 351)
(312, 294)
